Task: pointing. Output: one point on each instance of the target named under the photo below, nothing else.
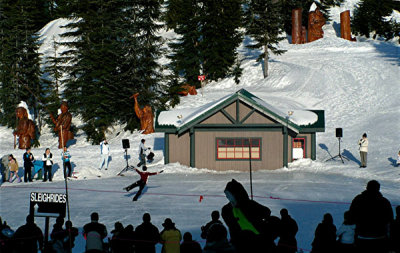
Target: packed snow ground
(357, 84)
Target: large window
(238, 148)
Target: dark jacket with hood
(372, 213)
(256, 214)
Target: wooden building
(222, 135)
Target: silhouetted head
(187, 237)
(284, 212)
(68, 224)
(94, 216)
(129, 228)
(168, 224)
(348, 218)
(146, 217)
(235, 193)
(30, 219)
(328, 218)
(144, 168)
(143, 141)
(118, 226)
(215, 215)
(60, 220)
(373, 186)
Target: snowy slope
(357, 84)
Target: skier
(144, 175)
(66, 158)
(28, 159)
(105, 151)
(142, 153)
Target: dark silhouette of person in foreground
(214, 220)
(147, 236)
(28, 237)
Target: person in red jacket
(144, 175)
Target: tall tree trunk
(266, 61)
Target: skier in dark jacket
(28, 164)
(147, 236)
(372, 214)
(325, 236)
(287, 233)
(144, 176)
(214, 219)
(94, 233)
(188, 245)
(248, 221)
(28, 237)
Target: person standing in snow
(363, 142)
(147, 236)
(47, 165)
(13, 165)
(28, 164)
(144, 175)
(105, 152)
(287, 234)
(142, 153)
(66, 158)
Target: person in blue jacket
(66, 158)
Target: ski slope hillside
(356, 83)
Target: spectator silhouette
(395, 232)
(71, 233)
(94, 233)
(325, 236)
(58, 235)
(147, 236)
(128, 239)
(170, 237)
(372, 215)
(247, 220)
(190, 246)
(28, 237)
(217, 240)
(6, 234)
(346, 234)
(115, 243)
(214, 219)
(287, 235)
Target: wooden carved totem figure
(296, 26)
(316, 21)
(145, 116)
(188, 89)
(25, 129)
(63, 125)
(345, 30)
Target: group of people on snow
(368, 227)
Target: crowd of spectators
(369, 226)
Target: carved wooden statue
(345, 30)
(25, 129)
(63, 125)
(316, 21)
(303, 35)
(145, 116)
(188, 89)
(296, 26)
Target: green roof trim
(251, 100)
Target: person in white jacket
(47, 165)
(346, 234)
(105, 152)
(363, 142)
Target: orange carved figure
(316, 21)
(188, 89)
(25, 129)
(63, 125)
(145, 116)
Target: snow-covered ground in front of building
(357, 84)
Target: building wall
(217, 118)
(271, 153)
(179, 149)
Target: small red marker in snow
(201, 198)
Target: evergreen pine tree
(264, 25)
(220, 36)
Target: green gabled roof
(241, 95)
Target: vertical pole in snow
(251, 172)
(46, 231)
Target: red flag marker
(201, 198)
